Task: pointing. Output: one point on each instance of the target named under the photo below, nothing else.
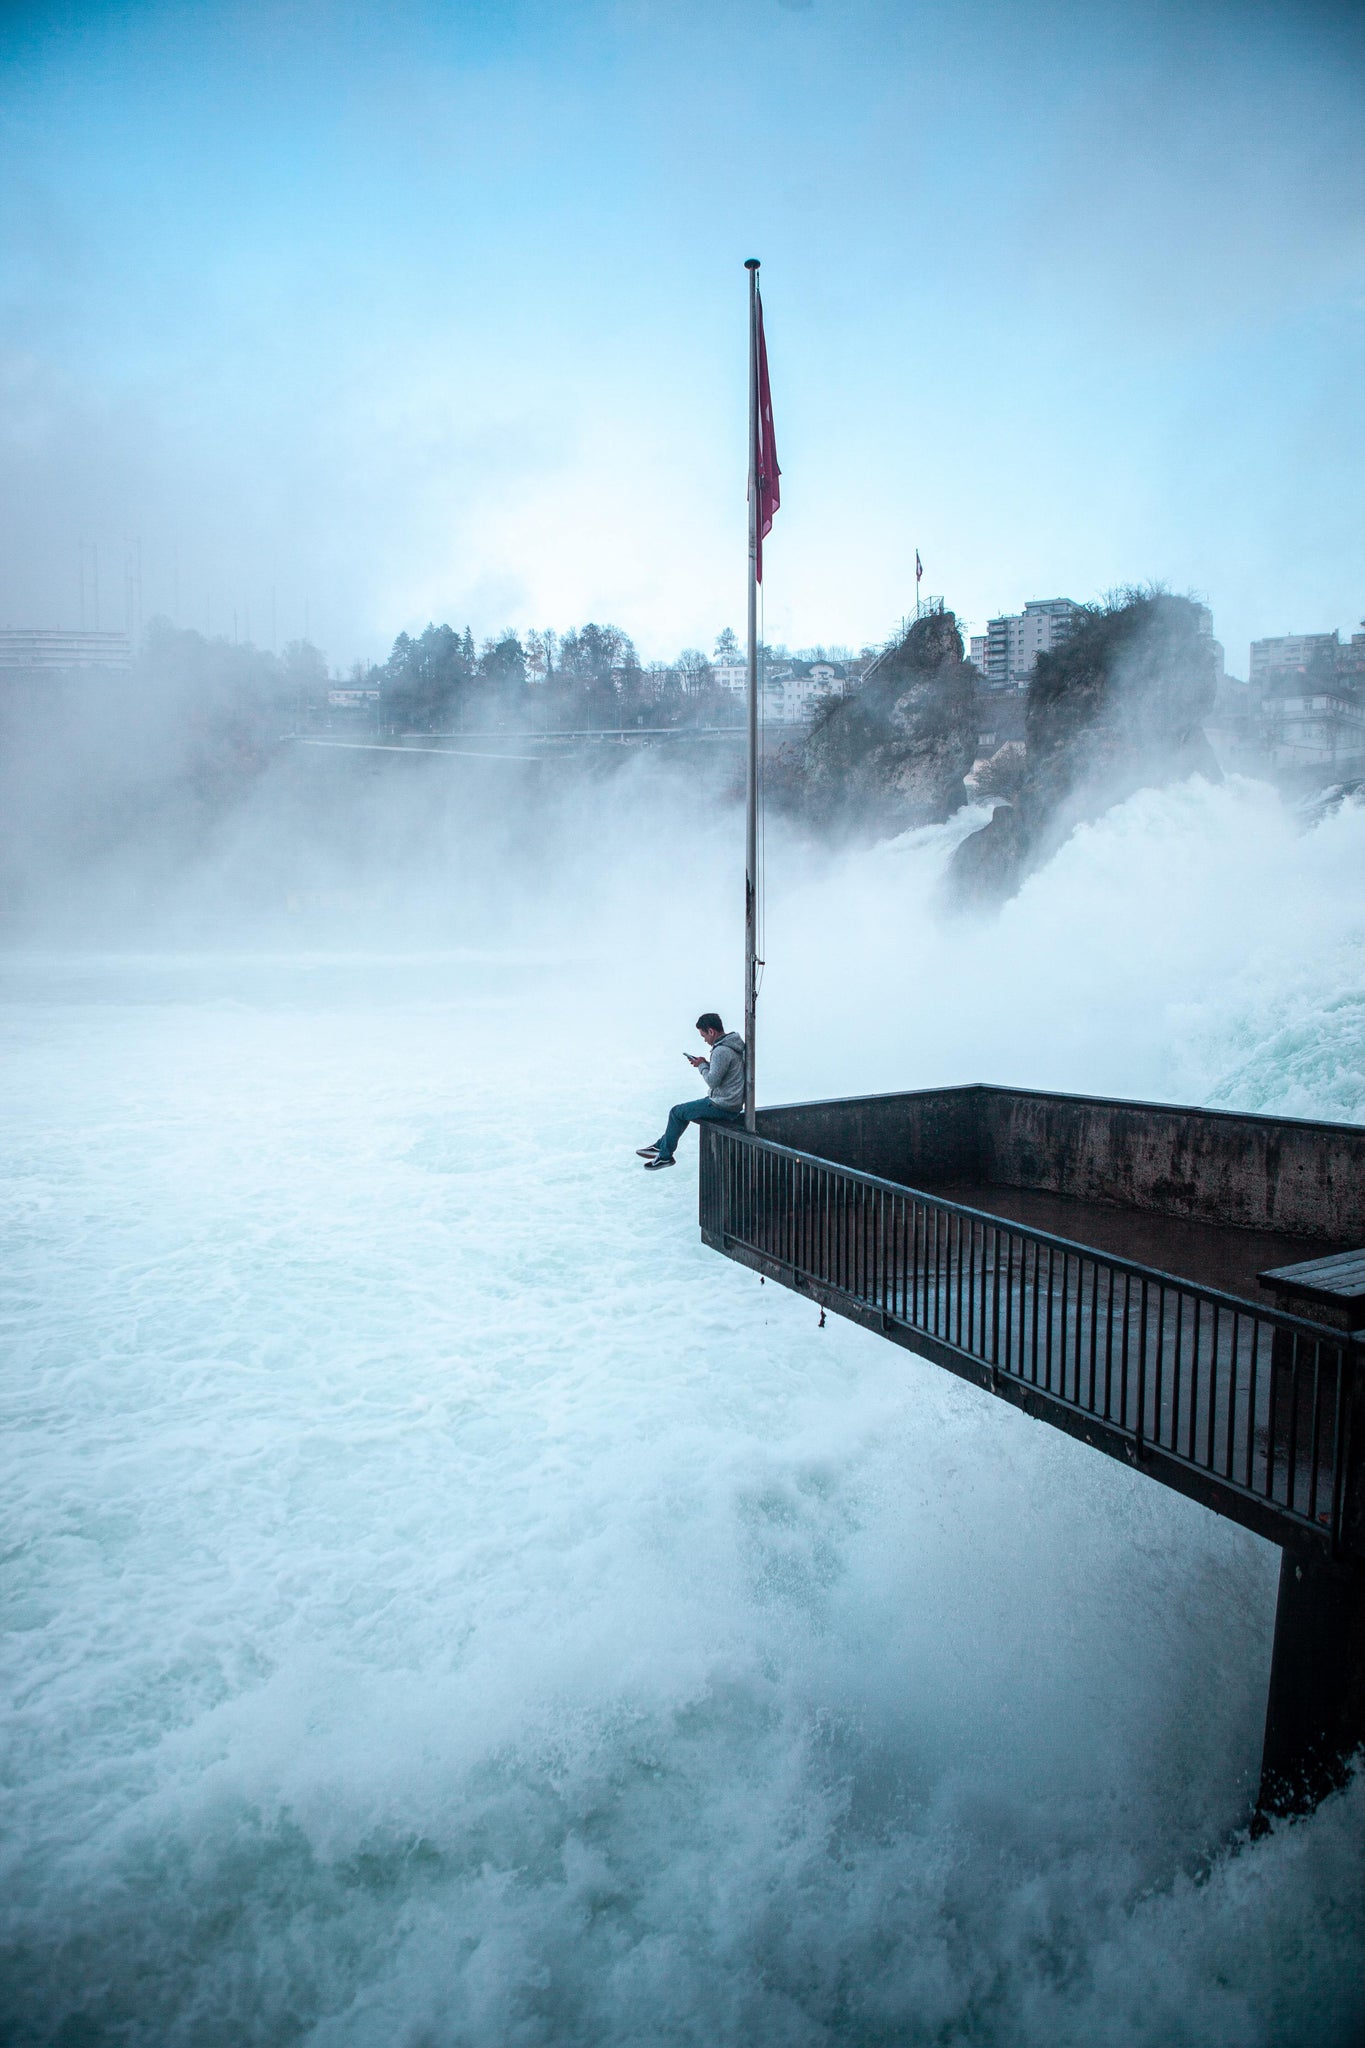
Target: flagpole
(751, 785)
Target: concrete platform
(1213, 1254)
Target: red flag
(769, 492)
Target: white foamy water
(445, 1604)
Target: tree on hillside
(727, 648)
(540, 654)
(695, 670)
(592, 660)
(425, 681)
(503, 663)
(498, 694)
(1118, 707)
(893, 753)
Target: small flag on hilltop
(919, 567)
(765, 450)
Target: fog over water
(446, 1604)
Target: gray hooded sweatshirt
(724, 1072)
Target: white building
(34, 648)
(791, 699)
(1321, 727)
(788, 698)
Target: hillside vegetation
(1118, 708)
(894, 752)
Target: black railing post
(1173, 1388)
(1315, 1709)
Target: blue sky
(438, 311)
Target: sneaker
(646, 1151)
(653, 1165)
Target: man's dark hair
(709, 1021)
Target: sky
(339, 318)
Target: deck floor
(1215, 1255)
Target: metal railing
(1244, 1407)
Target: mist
(328, 322)
(449, 1604)
(443, 1602)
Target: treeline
(239, 698)
(591, 676)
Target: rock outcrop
(1119, 707)
(893, 753)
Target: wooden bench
(1328, 1290)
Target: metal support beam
(1315, 1713)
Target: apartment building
(1309, 690)
(1013, 642)
(1294, 654)
(1321, 725)
(792, 697)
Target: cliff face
(893, 754)
(1118, 708)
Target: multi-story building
(1007, 651)
(1321, 655)
(1351, 661)
(784, 697)
(793, 698)
(1314, 726)
(1014, 642)
(1294, 654)
(1310, 694)
(37, 650)
(797, 694)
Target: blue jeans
(703, 1111)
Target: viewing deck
(1098, 1263)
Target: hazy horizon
(356, 318)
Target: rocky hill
(893, 753)
(1118, 707)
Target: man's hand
(694, 1060)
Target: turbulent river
(444, 1604)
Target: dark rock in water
(1322, 803)
(989, 865)
(894, 752)
(1117, 708)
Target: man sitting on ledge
(723, 1074)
